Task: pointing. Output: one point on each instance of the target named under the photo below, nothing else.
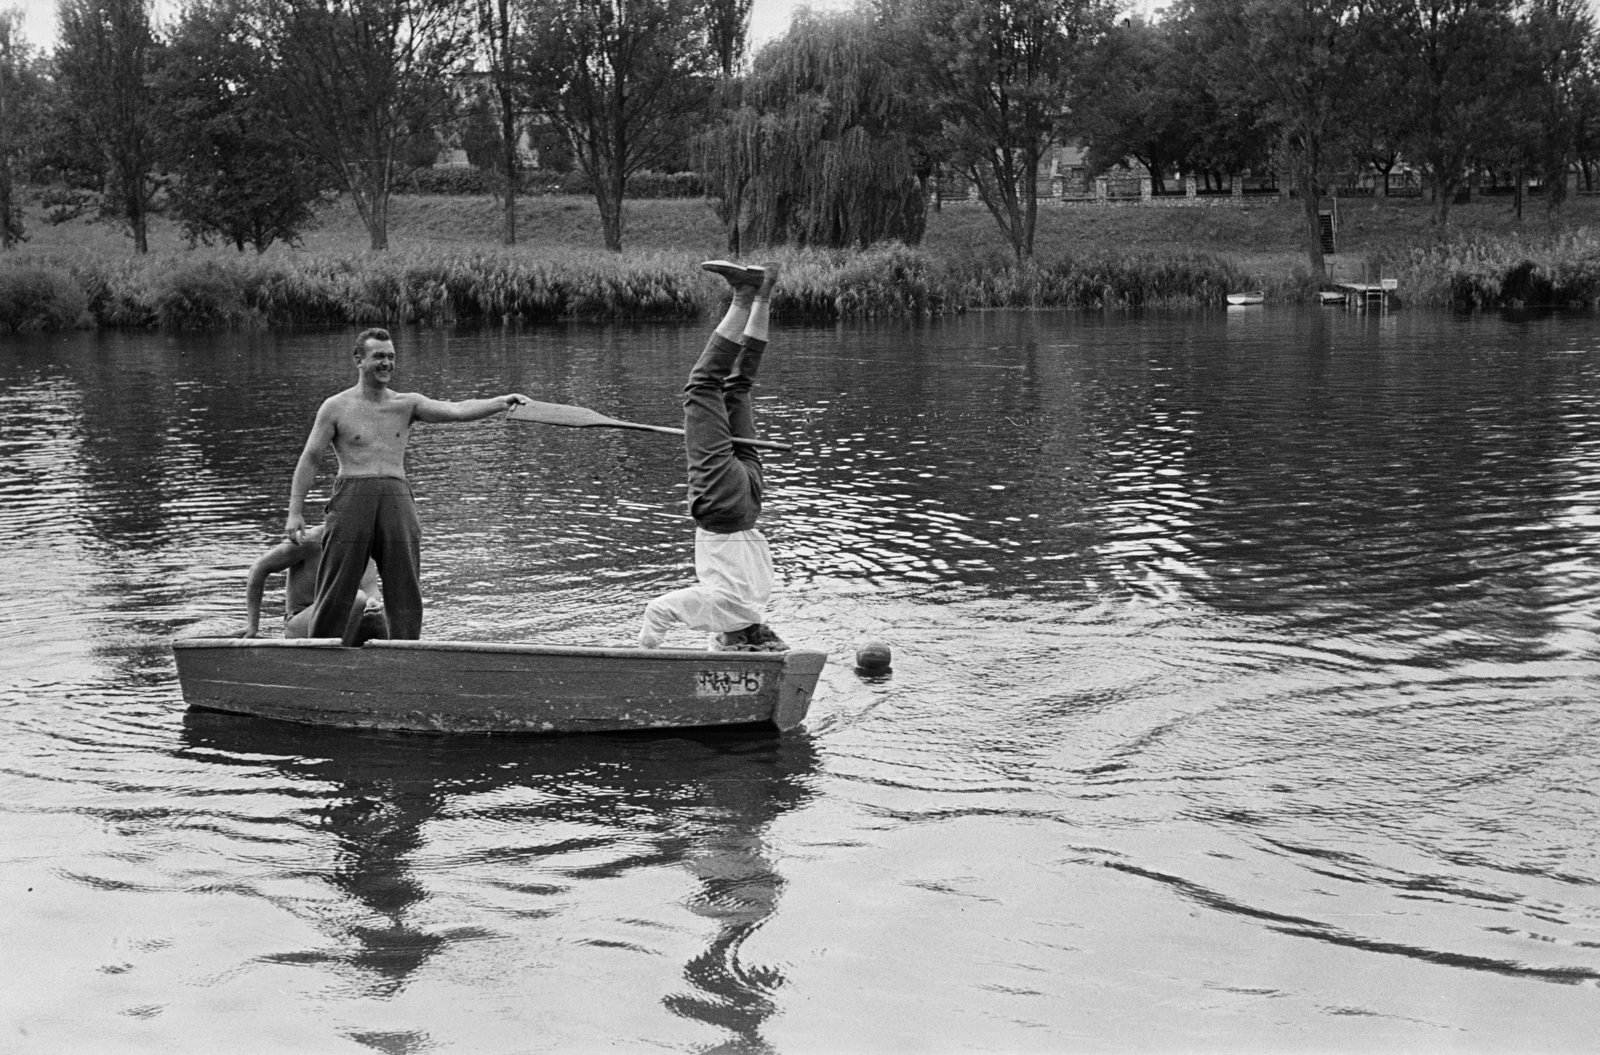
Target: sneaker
(738, 275)
(757, 637)
(730, 641)
(761, 638)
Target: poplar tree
(500, 36)
(1002, 74)
(1302, 62)
(1561, 42)
(21, 116)
(238, 173)
(105, 59)
(1453, 69)
(625, 82)
(369, 85)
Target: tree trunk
(734, 207)
(8, 216)
(508, 135)
(138, 220)
(8, 223)
(608, 196)
(376, 217)
(508, 122)
(1030, 203)
(1444, 190)
(378, 229)
(1310, 199)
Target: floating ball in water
(873, 657)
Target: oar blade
(558, 414)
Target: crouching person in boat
(370, 514)
(298, 562)
(732, 562)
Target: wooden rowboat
(470, 686)
(1332, 296)
(1253, 297)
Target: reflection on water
(1243, 693)
(564, 810)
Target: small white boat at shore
(1333, 296)
(1253, 297)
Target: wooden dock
(1369, 294)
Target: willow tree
(821, 144)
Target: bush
(666, 185)
(200, 296)
(458, 181)
(471, 182)
(68, 203)
(35, 297)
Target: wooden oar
(584, 418)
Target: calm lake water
(1244, 699)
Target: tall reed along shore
(444, 267)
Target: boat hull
(1238, 299)
(467, 686)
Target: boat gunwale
(495, 647)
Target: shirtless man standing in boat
(732, 562)
(370, 512)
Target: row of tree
(838, 127)
(1318, 89)
(244, 111)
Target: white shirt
(735, 581)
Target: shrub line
(201, 291)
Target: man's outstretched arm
(434, 411)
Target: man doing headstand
(370, 513)
(732, 562)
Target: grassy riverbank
(445, 265)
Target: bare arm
(305, 470)
(281, 557)
(438, 410)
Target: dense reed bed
(208, 290)
(1514, 270)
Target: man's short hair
(376, 333)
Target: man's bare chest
(372, 426)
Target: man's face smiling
(377, 362)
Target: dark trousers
(724, 480)
(370, 516)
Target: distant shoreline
(446, 265)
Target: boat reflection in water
(542, 814)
